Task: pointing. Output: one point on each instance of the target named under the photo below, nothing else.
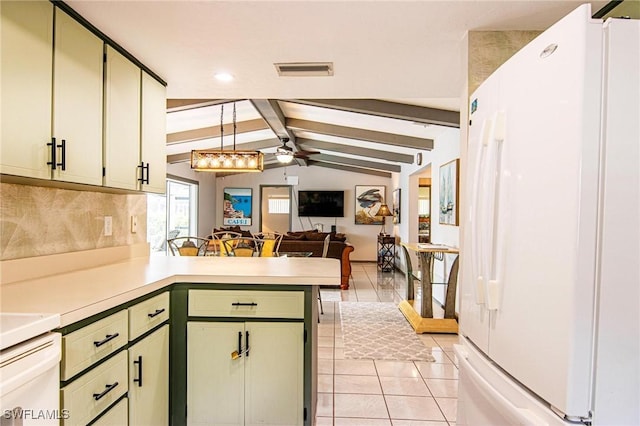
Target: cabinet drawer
(116, 416)
(84, 347)
(88, 396)
(246, 303)
(148, 314)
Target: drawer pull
(244, 304)
(109, 388)
(108, 338)
(156, 313)
(139, 379)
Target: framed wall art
(369, 198)
(237, 206)
(448, 209)
(396, 205)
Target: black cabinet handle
(139, 379)
(239, 343)
(156, 313)
(143, 168)
(109, 388)
(63, 151)
(244, 304)
(108, 338)
(52, 163)
(246, 341)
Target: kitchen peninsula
(204, 299)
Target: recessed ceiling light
(224, 76)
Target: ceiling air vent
(304, 69)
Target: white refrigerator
(550, 265)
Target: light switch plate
(108, 226)
(134, 224)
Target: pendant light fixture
(230, 160)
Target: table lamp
(384, 212)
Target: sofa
(313, 241)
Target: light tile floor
(375, 392)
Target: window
(172, 215)
(278, 205)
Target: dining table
(423, 321)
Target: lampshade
(384, 211)
(230, 160)
(284, 156)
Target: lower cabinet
(149, 380)
(116, 416)
(92, 393)
(245, 373)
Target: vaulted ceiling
(362, 135)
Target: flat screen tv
(321, 203)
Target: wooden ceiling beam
(350, 169)
(271, 112)
(174, 105)
(214, 131)
(326, 158)
(360, 134)
(413, 113)
(355, 150)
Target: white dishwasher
(29, 370)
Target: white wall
(446, 148)
(362, 237)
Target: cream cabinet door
(77, 101)
(153, 143)
(26, 37)
(215, 381)
(122, 122)
(263, 386)
(149, 380)
(274, 382)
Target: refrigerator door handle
(519, 416)
(495, 238)
(477, 220)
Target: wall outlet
(108, 226)
(134, 224)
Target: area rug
(379, 331)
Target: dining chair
(215, 249)
(270, 244)
(241, 247)
(188, 246)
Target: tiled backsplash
(38, 221)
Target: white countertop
(79, 294)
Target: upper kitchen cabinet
(153, 155)
(75, 109)
(69, 148)
(26, 34)
(77, 102)
(122, 122)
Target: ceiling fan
(285, 154)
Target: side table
(386, 253)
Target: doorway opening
(424, 210)
(275, 208)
